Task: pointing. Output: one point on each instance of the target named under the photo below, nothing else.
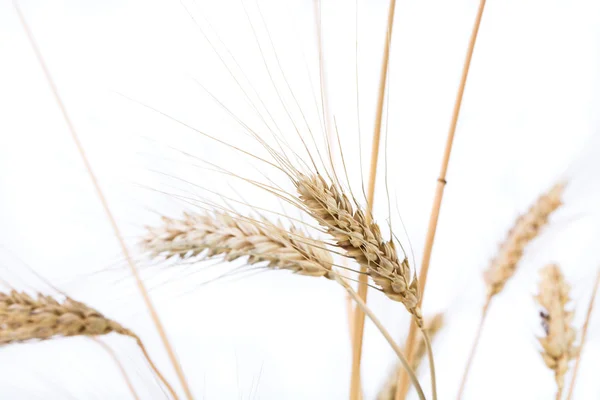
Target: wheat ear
(432, 326)
(361, 240)
(502, 267)
(24, 318)
(584, 331)
(219, 234)
(558, 346)
(360, 237)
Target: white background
(529, 118)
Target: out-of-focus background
(136, 75)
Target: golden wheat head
(361, 239)
(23, 318)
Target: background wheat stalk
(402, 386)
(584, 332)
(105, 206)
(558, 346)
(23, 318)
(526, 228)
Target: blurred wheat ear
(23, 318)
(558, 345)
(503, 267)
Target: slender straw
(463, 381)
(114, 356)
(360, 304)
(155, 368)
(104, 202)
(584, 335)
(431, 363)
(359, 316)
(439, 193)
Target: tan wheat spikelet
(23, 318)
(220, 234)
(558, 343)
(361, 240)
(525, 229)
(432, 325)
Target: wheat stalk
(439, 194)
(558, 346)
(119, 236)
(122, 370)
(432, 326)
(584, 331)
(24, 318)
(526, 228)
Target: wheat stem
(584, 335)
(113, 223)
(155, 368)
(115, 358)
(439, 193)
(359, 317)
(365, 309)
(474, 346)
(431, 363)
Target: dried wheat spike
(432, 325)
(360, 239)
(220, 234)
(526, 228)
(23, 318)
(558, 344)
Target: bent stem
(431, 363)
(583, 336)
(463, 381)
(119, 236)
(114, 356)
(363, 307)
(154, 368)
(439, 194)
